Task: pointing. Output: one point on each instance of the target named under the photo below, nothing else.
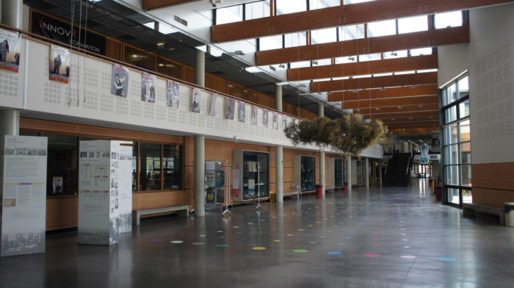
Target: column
(366, 169)
(322, 172)
(380, 173)
(349, 173)
(12, 12)
(200, 68)
(199, 175)
(279, 174)
(279, 158)
(321, 109)
(9, 122)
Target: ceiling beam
(363, 68)
(155, 4)
(374, 82)
(422, 90)
(431, 38)
(392, 102)
(339, 16)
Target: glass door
(308, 173)
(214, 183)
(339, 172)
(255, 175)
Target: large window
(160, 164)
(456, 137)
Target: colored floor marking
(447, 259)
(371, 255)
(313, 242)
(156, 240)
(334, 253)
(321, 236)
(375, 239)
(222, 245)
(408, 257)
(177, 242)
(329, 230)
(276, 240)
(259, 248)
(290, 235)
(342, 244)
(348, 237)
(301, 230)
(406, 247)
(374, 245)
(300, 251)
(197, 243)
(203, 235)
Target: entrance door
(214, 183)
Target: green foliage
(348, 134)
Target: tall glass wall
(456, 141)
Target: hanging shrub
(347, 134)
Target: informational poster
(212, 108)
(10, 50)
(125, 188)
(119, 81)
(230, 106)
(265, 118)
(99, 192)
(148, 88)
(60, 59)
(23, 218)
(424, 154)
(254, 115)
(195, 100)
(275, 120)
(172, 98)
(241, 113)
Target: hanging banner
(195, 100)
(424, 154)
(230, 106)
(265, 118)
(254, 115)
(212, 108)
(23, 217)
(61, 31)
(241, 113)
(10, 50)
(148, 88)
(275, 120)
(172, 98)
(119, 81)
(60, 59)
(284, 121)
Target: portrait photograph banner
(254, 115)
(275, 120)
(230, 106)
(172, 98)
(212, 108)
(284, 121)
(241, 113)
(265, 120)
(195, 100)
(60, 59)
(10, 50)
(148, 88)
(119, 81)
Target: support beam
(322, 173)
(200, 68)
(279, 173)
(155, 4)
(199, 175)
(12, 11)
(422, 90)
(9, 122)
(339, 16)
(321, 109)
(447, 36)
(391, 102)
(278, 97)
(363, 68)
(375, 82)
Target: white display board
(23, 213)
(99, 192)
(125, 188)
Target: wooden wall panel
(215, 83)
(114, 49)
(145, 200)
(188, 74)
(493, 184)
(61, 213)
(266, 100)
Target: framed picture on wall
(172, 98)
(59, 64)
(195, 100)
(119, 81)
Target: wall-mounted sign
(61, 31)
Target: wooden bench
(141, 212)
(469, 210)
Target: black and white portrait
(195, 100)
(275, 120)
(241, 116)
(119, 84)
(254, 115)
(172, 99)
(230, 105)
(148, 88)
(265, 118)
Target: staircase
(398, 170)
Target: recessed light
(160, 64)
(160, 44)
(378, 108)
(399, 107)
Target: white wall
(452, 60)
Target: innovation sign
(62, 32)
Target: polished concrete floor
(390, 237)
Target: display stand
(227, 195)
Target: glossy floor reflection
(391, 237)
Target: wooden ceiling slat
(395, 111)
(375, 82)
(363, 68)
(155, 4)
(421, 90)
(338, 16)
(391, 102)
(413, 131)
(431, 38)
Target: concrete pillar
(366, 172)
(9, 122)
(322, 172)
(380, 173)
(12, 11)
(279, 174)
(321, 110)
(199, 175)
(278, 98)
(200, 68)
(349, 173)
